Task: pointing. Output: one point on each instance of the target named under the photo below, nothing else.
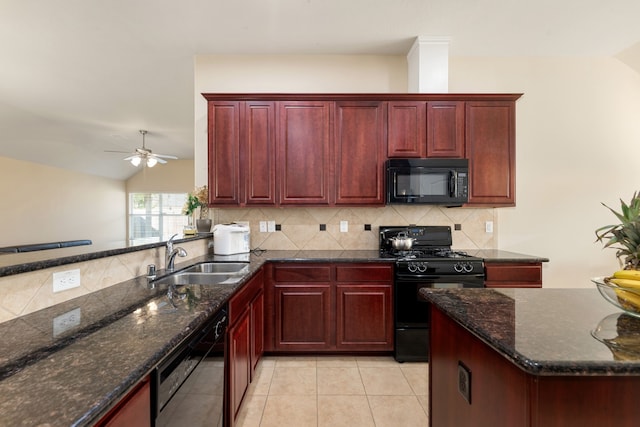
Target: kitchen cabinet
(245, 340)
(329, 149)
(304, 158)
(445, 129)
(224, 152)
(490, 148)
(241, 134)
(407, 129)
(133, 410)
(513, 275)
(364, 307)
(329, 307)
(502, 394)
(258, 153)
(359, 149)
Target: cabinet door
(239, 362)
(133, 410)
(445, 129)
(407, 129)
(257, 331)
(304, 158)
(303, 319)
(490, 148)
(359, 153)
(224, 152)
(364, 317)
(258, 153)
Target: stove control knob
(458, 267)
(468, 267)
(413, 267)
(422, 267)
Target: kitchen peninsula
(528, 357)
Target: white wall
(578, 144)
(577, 137)
(42, 204)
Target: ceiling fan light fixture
(135, 161)
(151, 162)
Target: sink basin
(186, 278)
(219, 268)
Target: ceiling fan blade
(165, 156)
(160, 160)
(116, 151)
(131, 157)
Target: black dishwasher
(189, 383)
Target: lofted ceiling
(79, 77)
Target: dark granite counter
(497, 255)
(56, 377)
(547, 331)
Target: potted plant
(625, 238)
(199, 198)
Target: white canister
(229, 239)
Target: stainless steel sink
(208, 273)
(199, 279)
(219, 268)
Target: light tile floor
(332, 391)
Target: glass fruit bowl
(625, 298)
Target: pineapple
(625, 237)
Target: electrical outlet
(271, 226)
(488, 227)
(263, 226)
(344, 226)
(66, 321)
(65, 280)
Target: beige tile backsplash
(301, 226)
(25, 293)
(300, 229)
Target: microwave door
(453, 183)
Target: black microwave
(443, 182)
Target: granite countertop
(547, 331)
(54, 377)
(73, 377)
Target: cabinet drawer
(302, 273)
(241, 300)
(364, 273)
(513, 274)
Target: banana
(627, 274)
(628, 299)
(626, 283)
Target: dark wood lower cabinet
(501, 394)
(133, 410)
(329, 308)
(239, 362)
(513, 275)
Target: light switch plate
(344, 226)
(271, 226)
(263, 226)
(488, 227)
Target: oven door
(412, 313)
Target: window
(155, 217)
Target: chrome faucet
(170, 254)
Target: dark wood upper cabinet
(258, 153)
(304, 143)
(407, 129)
(490, 148)
(330, 149)
(445, 129)
(359, 152)
(224, 152)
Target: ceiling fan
(144, 155)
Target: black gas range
(429, 263)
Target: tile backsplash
(300, 227)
